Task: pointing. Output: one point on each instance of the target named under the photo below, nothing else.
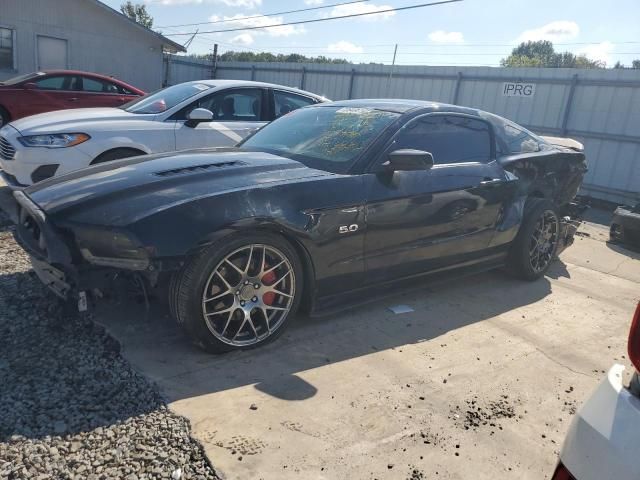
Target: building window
(6, 48)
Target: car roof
(398, 105)
(87, 74)
(250, 83)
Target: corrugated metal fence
(601, 108)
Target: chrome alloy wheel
(544, 239)
(249, 295)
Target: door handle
(74, 99)
(491, 182)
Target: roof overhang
(168, 45)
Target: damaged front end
(80, 262)
(570, 222)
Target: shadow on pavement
(157, 347)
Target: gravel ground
(70, 406)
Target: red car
(41, 92)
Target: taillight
(634, 340)
(562, 473)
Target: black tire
(187, 290)
(616, 233)
(116, 154)
(520, 259)
(4, 117)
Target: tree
(138, 13)
(635, 64)
(542, 54)
(232, 56)
(619, 65)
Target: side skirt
(370, 293)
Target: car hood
(123, 191)
(71, 121)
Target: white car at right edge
(603, 441)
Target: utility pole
(215, 61)
(393, 64)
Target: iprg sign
(517, 89)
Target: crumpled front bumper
(51, 257)
(602, 441)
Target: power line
(264, 15)
(377, 12)
(440, 45)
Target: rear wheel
(535, 246)
(4, 117)
(116, 154)
(239, 293)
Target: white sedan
(205, 113)
(604, 437)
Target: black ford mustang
(325, 205)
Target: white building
(79, 35)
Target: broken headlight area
(111, 248)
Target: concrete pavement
(479, 381)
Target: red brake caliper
(268, 279)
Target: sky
(470, 32)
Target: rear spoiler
(569, 143)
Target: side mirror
(407, 159)
(198, 115)
(31, 86)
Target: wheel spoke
(251, 324)
(271, 269)
(230, 309)
(226, 325)
(218, 296)
(266, 318)
(279, 292)
(236, 268)
(246, 270)
(271, 307)
(224, 280)
(244, 322)
(281, 278)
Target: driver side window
(449, 138)
(236, 105)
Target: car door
(445, 215)
(237, 112)
(51, 92)
(95, 92)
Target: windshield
(21, 78)
(164, 99)
(328, 138)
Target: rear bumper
(602, 441)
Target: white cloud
(440, 36)
(241, 20)
(356, 8)
(344, 47)
(313, 2)
(241, 3)
(229, 3)
(554, 31)
(600, 51)
(242, 39)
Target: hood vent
(197, 168)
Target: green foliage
(542, 54)
(232, 56)
(138, 13)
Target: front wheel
(535, 246)
(239, 293)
